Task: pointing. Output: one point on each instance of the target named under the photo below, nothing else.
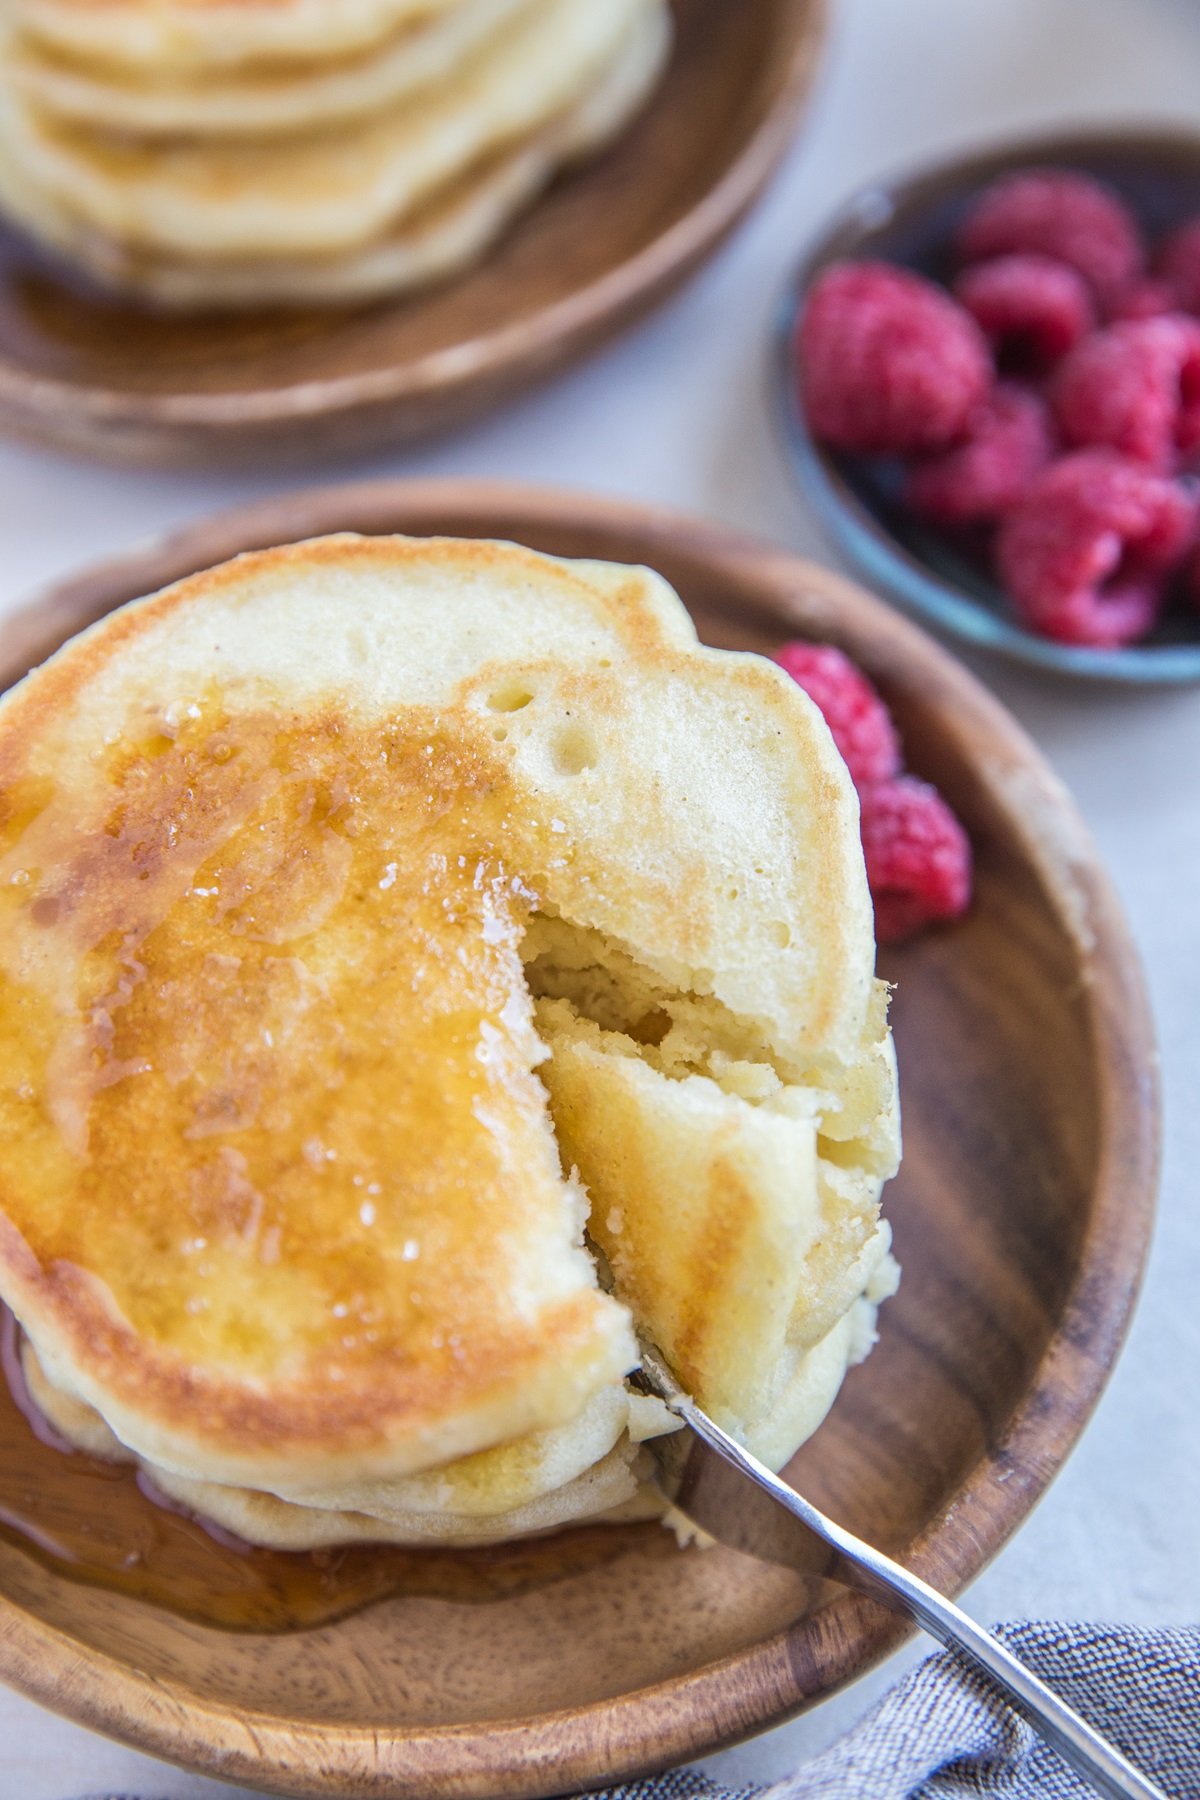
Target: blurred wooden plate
(1021, 1218)
(81, 370)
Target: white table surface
(675, 413)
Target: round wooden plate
(1021, 1218)
(82, 370)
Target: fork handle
(868, 1571)
(1083, 1748)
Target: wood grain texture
(1021, 1217)
(82, 370)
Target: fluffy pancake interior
(737, 1230)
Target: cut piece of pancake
(256, 101)
(189, 35)
(738, 1246)
(292, 1178)
(327, 191)
(447, 235)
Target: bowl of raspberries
(992, 392)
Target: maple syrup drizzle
(315, 852)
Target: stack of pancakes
(423, 965)
(227, 152)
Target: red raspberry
(859, 722)
(1054, 212)
(917, 854)
(1178, 263)
(1086, 554)
(889, 361)
(1135, 388)
(1010, 442)
(1032, 308)
(1146, 298)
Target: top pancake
(279, 1191)
(255, 100)
(187, 35)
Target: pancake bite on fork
(424, 964)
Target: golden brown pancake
(293, 1183)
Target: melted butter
(216, 954)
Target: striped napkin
(943, 1735)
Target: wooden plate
(81, 370)
(1021, 1218)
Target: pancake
(255, 101)
(473, 1502)
(447, 235)
(187, 35)
(378, 912)
(739, 1246)
(328, 191)
(593, 1470)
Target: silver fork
(734, 1498)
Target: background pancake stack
(218, 154)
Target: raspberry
(1135, 388)
(917, 854)
(1053, 212)
(1010, 441)
(1032, 308)
(1178, 263)
(858, 720)
(1146, 298)
(1086, 554)
(890, 362)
